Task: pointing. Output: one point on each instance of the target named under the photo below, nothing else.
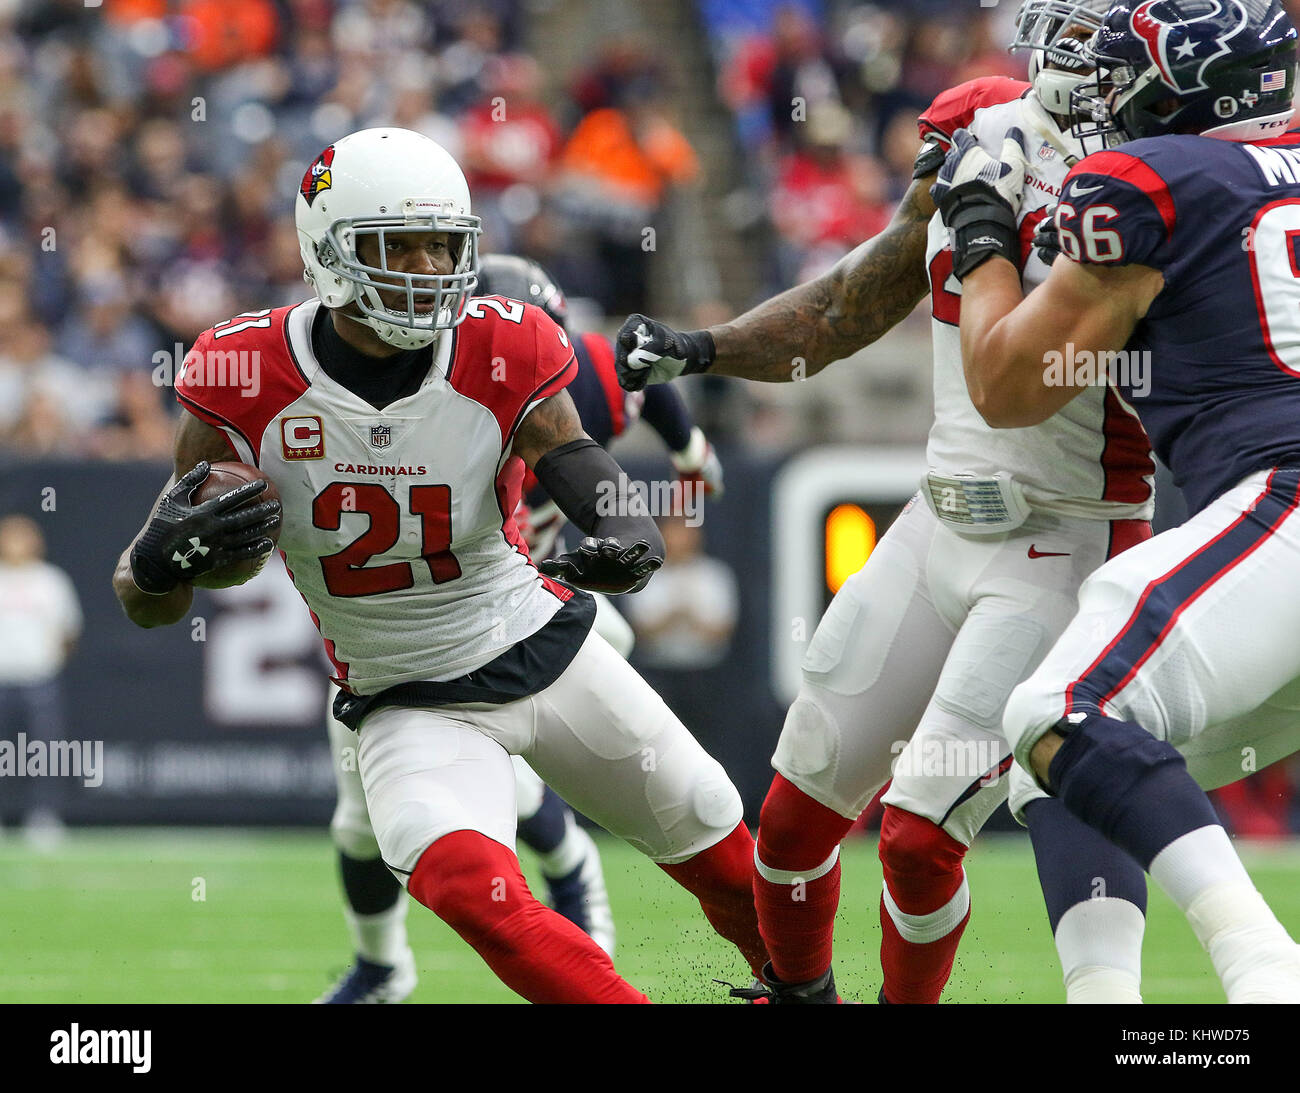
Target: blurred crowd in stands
(826, 104)
(149, 150)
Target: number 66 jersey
(1213, 370)
(398, 528)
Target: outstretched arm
(800, 332)
(867, 293)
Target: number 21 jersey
(398, 525)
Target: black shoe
(816, 992)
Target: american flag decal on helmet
(1273, 81)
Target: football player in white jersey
(396, 418)
(1181, 664)
(375, 906)
(959, 601)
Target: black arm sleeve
(666, 413)
(594, 492)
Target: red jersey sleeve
(239, 375)
(509, 357)
(955, 109)
(1116, 210)
(556, 362)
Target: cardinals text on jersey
(1092, 459)
(398, 523)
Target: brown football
(222, 478)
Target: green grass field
(112, 917)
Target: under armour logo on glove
(979, 198)
(183, 541)
(195, 548)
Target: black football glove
(979, 197)
(605, 565)
(648, 351)
(184, 541)
(1047, 240)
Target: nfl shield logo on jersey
(381, 436)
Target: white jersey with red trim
(398, 525)
(1091, 459)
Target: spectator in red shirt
(827, 199)
(510, 141)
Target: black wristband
(149, 577)
(983, 226)
(928, 160)
(698, 351)
(594, 493)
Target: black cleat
(816, 992)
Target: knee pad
(810, 740)
(1101, 752)
(1121, 780)
(715, 802)
(912, 846)
(351, 831)
(794, 830)
(691, 812)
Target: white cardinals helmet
(1052, 31)
(380, 182)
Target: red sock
(797, 834)
(721, 879)
(473, 884)
(923, 872)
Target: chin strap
(1043, 123)
(363, 321)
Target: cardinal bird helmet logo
(318, 177)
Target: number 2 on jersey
(346, 572)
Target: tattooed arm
(867, 293)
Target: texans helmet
(1218, 68)
(519, 278)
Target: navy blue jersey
(1221, 396)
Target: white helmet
(378, 182)
(1046, 28)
